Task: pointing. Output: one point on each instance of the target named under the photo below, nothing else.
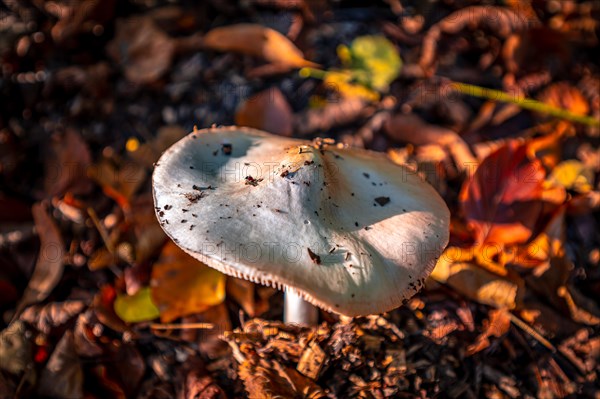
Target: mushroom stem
(297, 310)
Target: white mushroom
(346, 229)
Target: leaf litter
(95, 299)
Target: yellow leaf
(572, 175)
(182, 286)
(342, 83)
(478, 284)
(136, 308)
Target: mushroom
(345, 229)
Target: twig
(105, 238)
(531, 331)
(525, 103)
(103, 233)
(182, 326)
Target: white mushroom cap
(349, 230)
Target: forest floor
(92, 92)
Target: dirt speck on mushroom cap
(311, 196)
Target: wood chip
(312, 360)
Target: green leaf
(371, 63)
(136, 308)
(378, 58)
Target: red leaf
(505, 201)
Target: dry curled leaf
(257, 41)
(497, 325)
(197, 382)
(63, 375)
(46, 317)
(505, 201)
(264, 379)
(49, 266)
(15, 348)
(103, 309)
(479, 284)
(77, 16)
(65, 168)
(412, 129)
(253, 299)
(563, 95)
(547, 254)
(553, 268)
(499, 20)
(119, 179)
(181, 285)
(268, 111)
(142, 49)
(331, 115)
(149, 237)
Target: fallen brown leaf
(257, 41)
(501, 21)
(125, 364)
(119, 178)
(15, 348)
(65, 168)
(331, 115)
(181, 285)
(497, 325)
(74, 17)
(46, 317)
(49, 266)
(548, 147)
(546, 250)
(142, 49)
(410, 128)
(63, 375)
(103, 307)
(248, 295)
(197, 382)
(264, 379)
(268, 111)
(149, 237)
(479, 284)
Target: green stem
(525, 103)
(308, 72)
